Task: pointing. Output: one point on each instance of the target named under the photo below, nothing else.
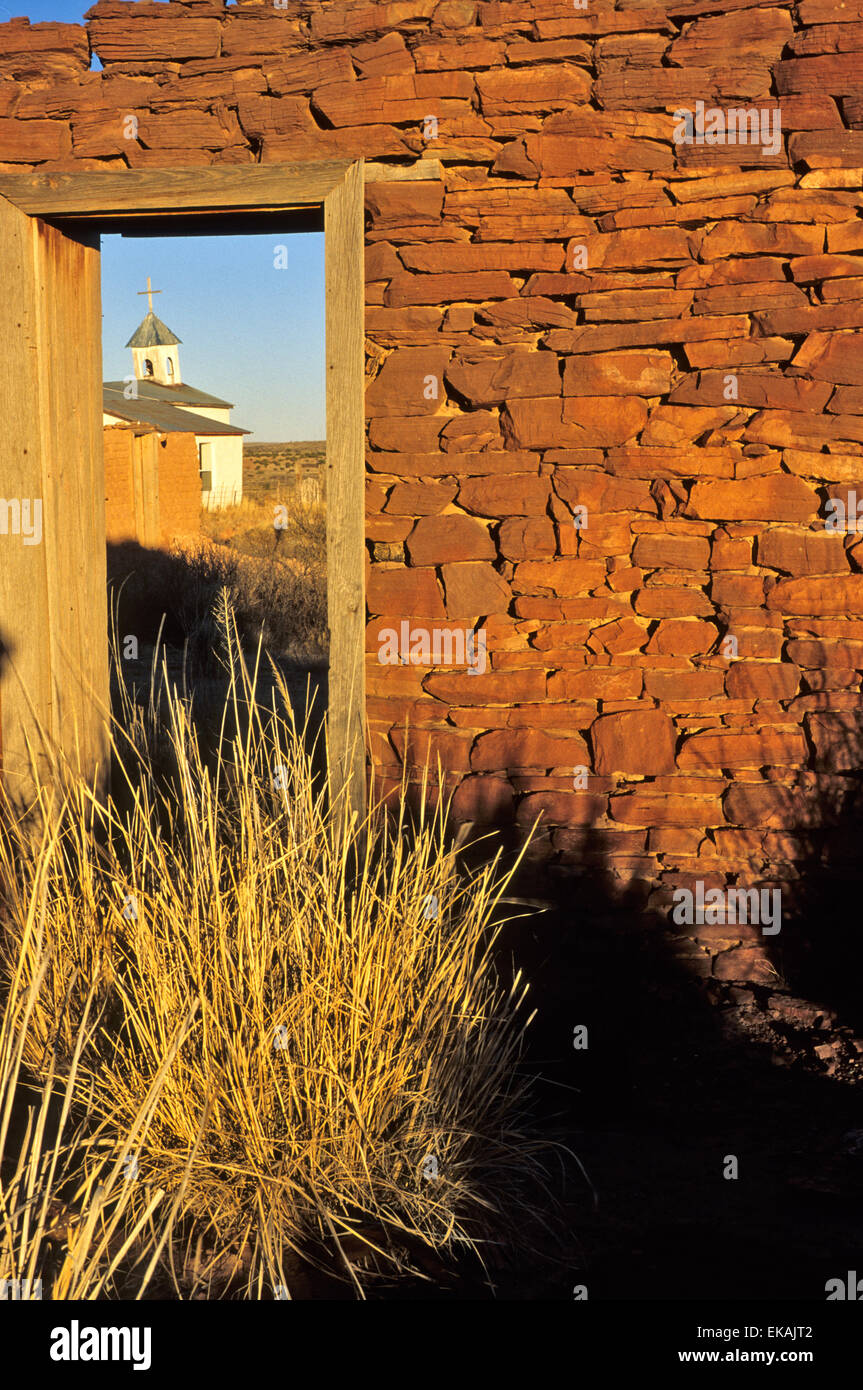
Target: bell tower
(154, 348)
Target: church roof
(173, 395)
(151, 332)
(166, 418)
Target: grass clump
(292, 1020)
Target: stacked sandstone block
(554, 322)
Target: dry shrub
(305, 1009)
(278, 598)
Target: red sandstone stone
(561, 808)
(663, 549)
(440, 289)
(540, 87)
(618, 374)
(752, 238)
(770, 747)
(634, 247)
(303, 72)
(404, 204)
(561, 153)
(474, 589)
(563, 577)
(19, 36)
(381, 263)
(506, 494)
(825, 652)
(470, 54)
(762, 680)
(24, 142)
(387, 528)
(490, 380)
(837, 739)
(436, 540)
(393, 434)
(653, 808)
(597, 683)
(410, 97)
(682, 637)
(353, 21)
(746, 964)
(730, 553)
(493, 687)
(601, 494)
(461, 257)
(737, 590)
(384, 57)
(637, 743)
(526, 538)
(803, 552)
(721, 40)
(486, 800)
(621, 635)
(505, 750)
(421, 499)
(760, 389)
(818, 595)
(407, 592)
(600, 423)
(412, 437)
(477, 430)
(672, 603)
(607, 338)
(427, 747)
(676, 687)
(835, 357)
(780, 497)
(761, 804)
(153, 32)
(410, 382)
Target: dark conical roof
(151, 332)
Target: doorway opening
(53, 595)
(214, 430)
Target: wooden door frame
(181, 196)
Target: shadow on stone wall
(685, 1075)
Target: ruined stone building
(615, 400)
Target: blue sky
(250, 333)
(38, 11)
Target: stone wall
(614, 380)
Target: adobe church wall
(615, 379)
(178, 506)
(179, 487)
(119, 489)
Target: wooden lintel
(263, 187)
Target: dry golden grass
(290, 1020)
(276, 573)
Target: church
(156, 400)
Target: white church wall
(225, 459)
